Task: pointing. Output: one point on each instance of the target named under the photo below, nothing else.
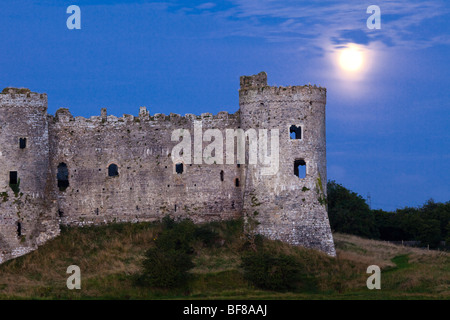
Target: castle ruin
(65, 170)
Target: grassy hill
(110, 258)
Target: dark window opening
(238, 165)
(300, 168)
(179, 168)
(295, 132)
(175, 208)
(221, 175)
(62, 176)
(236, 182)
(96, 211)
(60, 213)
(22, 143)
(113, 170)
(13, 177)
(19, 229)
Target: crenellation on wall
(108, 169)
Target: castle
(65, 170)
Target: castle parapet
(255, 81)
(23, 97)
(63, 115)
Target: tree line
(349, 213)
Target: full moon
(351, 59)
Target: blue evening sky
(387, 125)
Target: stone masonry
(65, 170)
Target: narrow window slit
(63, 176)
(22, 143)
(19, 229)
(13, 177)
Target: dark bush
(176, 236)
(265, 270)
(167, 264)
(207, 236)
(165, 268)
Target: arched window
(113, 170)
(62, 176)
(221, 175)
(236, 182)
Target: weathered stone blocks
(79, 153)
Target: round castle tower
(290, 204)
(26, 215)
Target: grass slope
(110, 257)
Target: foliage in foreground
(112, 257)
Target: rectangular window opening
(13, 177)
(22, 143)
(300, 168)
(19, 229)
(295, 132)
(179, 168)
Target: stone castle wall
(26, 211)
(287, 207)
(147, 186)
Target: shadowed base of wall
(312, 233)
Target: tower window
(300, 168)
(179, 168)
(236, 182)
(295, 132)
(22, 143)
(113, 170)
(13, 177)
(221, 175)
(19, 229)
(63, 176)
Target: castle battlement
(63, 115)
(22, 97)
(69, 170)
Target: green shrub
(265, 270)
(15, 187)
(167, 264)
(177, 236)
(207, 236)
(165, 268)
